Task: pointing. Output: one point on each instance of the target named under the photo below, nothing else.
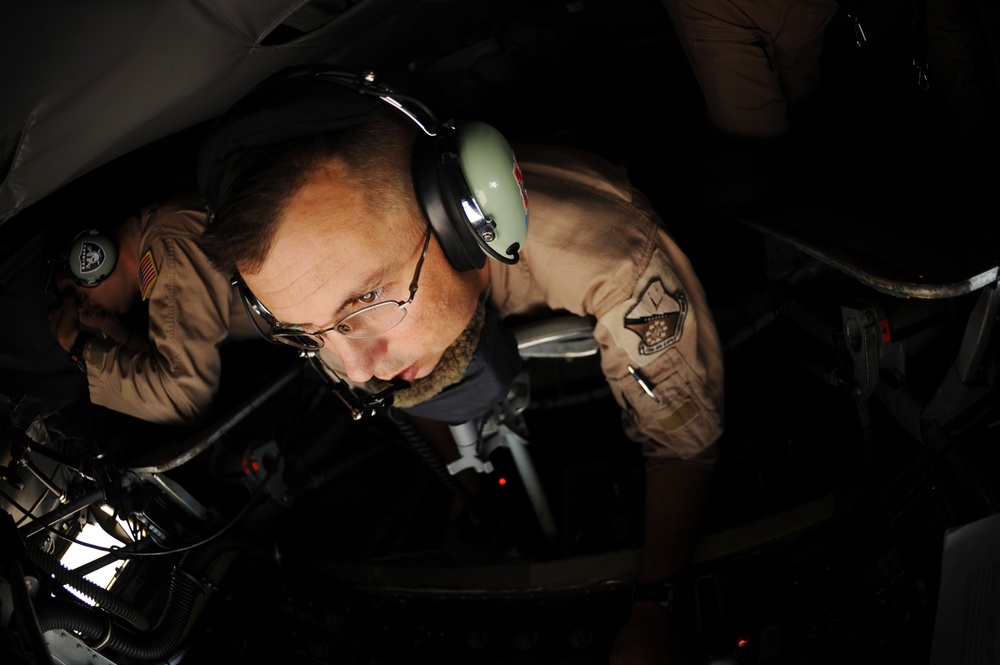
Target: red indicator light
(742, 642)
(501, 481)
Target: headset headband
(290, 104)
(453, 168)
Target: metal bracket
(864, 330)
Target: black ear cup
(436, 176)
(469, 185)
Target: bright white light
(78, 555)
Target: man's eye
(370, 297)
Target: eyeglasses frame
(285, 333)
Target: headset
(92, 257)
(466, 176)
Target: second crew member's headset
(91, 257)
(466, 177)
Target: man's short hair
(259, 182)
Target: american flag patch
(147, 274)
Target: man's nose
(64, 283)
(360, 356)
(68, 288)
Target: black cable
(187, 585)
(57, 515)
(26, 514)
(126, 552)
(108, 601)
(434, 461)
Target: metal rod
(532, 484)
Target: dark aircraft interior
(851, 267)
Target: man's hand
(675, 497)
(64, 321)
(651, 636)
(109, 324)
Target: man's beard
(449, 370)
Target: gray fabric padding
(87, 82)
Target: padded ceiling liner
(86, 82)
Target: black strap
(76, 351)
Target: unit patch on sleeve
(653, 318)
(147, 274)
(658, 317)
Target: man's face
(331, 247)
(115, 295)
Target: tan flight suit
(752, 58)
(595, 247)
(172, 375)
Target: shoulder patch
(147, 274)
(653, 319)
(658, 317)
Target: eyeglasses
(369, 321)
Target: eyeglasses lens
(368, 322)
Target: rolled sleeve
(596, 248)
